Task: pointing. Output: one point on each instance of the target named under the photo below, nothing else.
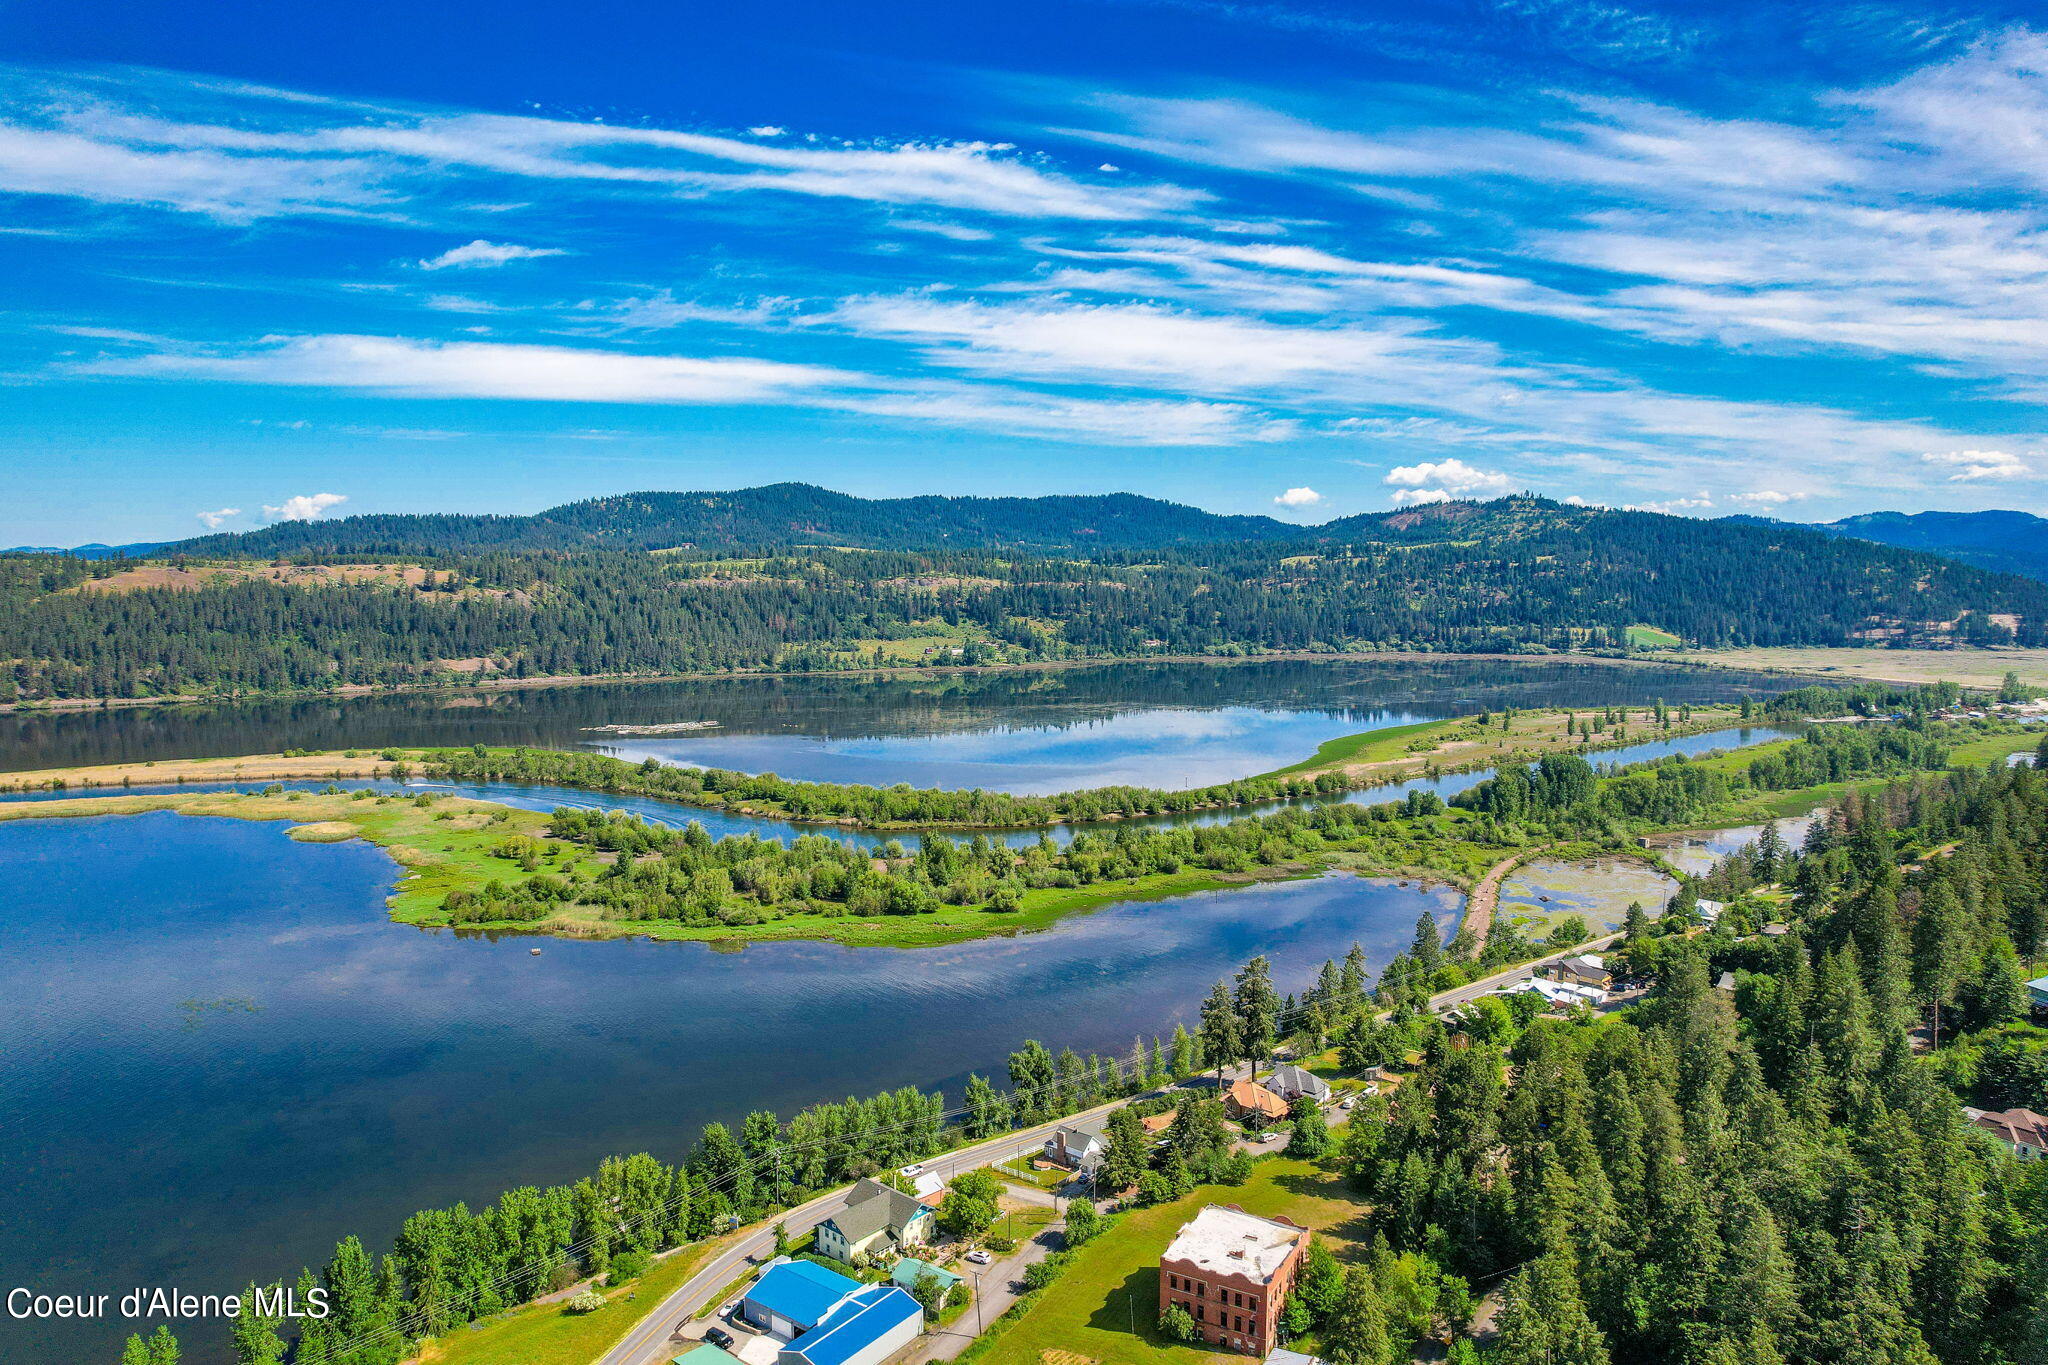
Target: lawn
(1649, 637)
(549, 1334)
(1106, 1307)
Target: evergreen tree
(1543, 1319)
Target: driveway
(996, 1287)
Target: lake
(1167, 725)
(217, 1056)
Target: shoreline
(1356, 758)
(62, 705)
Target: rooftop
(1222, 1240)
(855, 1324)
(801, 1291)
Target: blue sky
(269, 261)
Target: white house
(1078, 1147)
(1563, 994)
(1711, 911)
(876, 1218)
(1291, 1082)
(2037, 992)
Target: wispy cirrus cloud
(240, 154)
(410, 368)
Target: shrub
(1176, 1324)
(589, 1301)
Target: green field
(1649, 637)
(1374, 746)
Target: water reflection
(358, 1073)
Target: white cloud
(1451, 478)
(238, 153)
(477, 369)
(1673, 506)
(305, 507)
(428, 369)
(1299, 497)
(1970, 466)
(767, 130)
(1767, 497)
(480, 253)
(212, 520)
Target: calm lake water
(217, 1056)
(1168, 725)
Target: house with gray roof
(1291, 1082)
(1078, 1146)
(876, 1218)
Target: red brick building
(1232, 1271)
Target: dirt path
(1485, 896)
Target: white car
(912, 1171)
(979, 1256)
(1348, 1103)
(1267, 1137)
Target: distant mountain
(2010, 542)
(1011, 579)
(773, 517)
(95, 550)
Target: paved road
(1474, 989)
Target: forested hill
(1518, 575)
(778, 516)
(2011, 542)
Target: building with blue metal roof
(865, 1328)
(794, 1296)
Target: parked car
(718, 1337)
(912, 1171)
(1349, 1103)
(1267, 1137)
(980, 1256)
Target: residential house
(866, 1327)
(1078, 1147)
(1231, 1271)
(1711, 911)
(876, 1219)
(2037, 992)
(1156, 1124)
(2024, 1132)
(1587, 969)
(1725, 982)
(1563, 995)
(1291, 1082)
(909, 1270)
(1251, 1102)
